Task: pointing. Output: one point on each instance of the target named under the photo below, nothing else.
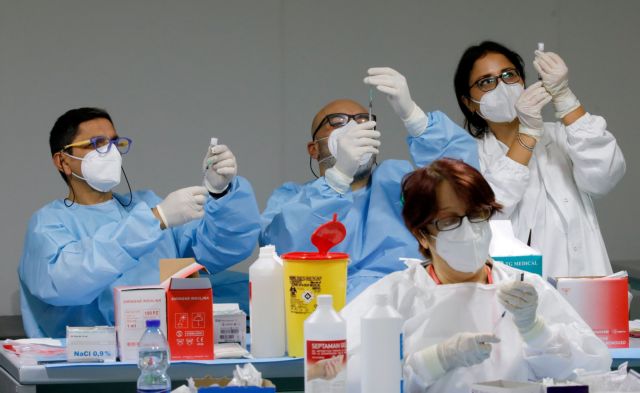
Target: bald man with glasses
(365, 194)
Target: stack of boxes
(182, 304)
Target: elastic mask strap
(78, 176)
(325, 159)
(77, 158)
(72, 156)
(311, 167)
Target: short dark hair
(419, 193)
(473, 122)
(65, 128)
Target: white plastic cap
(541, 46)
(325, 300)
(268, 250)
(214, 142)
(381, 299)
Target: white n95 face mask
(333, 142)
(101, 171)
(466, 248)
(499, 105)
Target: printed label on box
(603, 304)
(133, 306)
(528, 263)
(91, 343)
(230, 324)
(190, 319)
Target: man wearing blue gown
(77, 249)
(366, 197)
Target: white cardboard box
(230, 324)
(506, 387)
(95, 343)
(133, 307)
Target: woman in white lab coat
(544, 174)
(453, 331)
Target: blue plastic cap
(153, 323)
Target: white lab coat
(552, 195)
(432, 313)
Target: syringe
(495, 325)
(541, 49)
(370, 101)
(212, 144)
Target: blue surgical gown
(74, 256)
(376, 234)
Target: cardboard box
(95, 343)
(204, 386)
(230, 324)
(508, 249)
(506, 386)
(133, 306)
(190, 319)
(603, 304)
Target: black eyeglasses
(341, 119)
(509, 76)
(453, 222)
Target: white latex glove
(394, 86)
(356, 141)
(555, 78)
(220, 167)
(182, 206)
(465, 349)
(529, 109)
(521, 300)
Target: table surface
(285, 367)
(128, 371)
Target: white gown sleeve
(598, 163)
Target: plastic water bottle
(325, 349)
(266, 305)
(153, 360)
(381, 335)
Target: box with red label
(190, 319)
(133, 306)
(603, 304)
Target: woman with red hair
(453, 303)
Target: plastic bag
(31, 351)
(613, 381)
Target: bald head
(349, 107)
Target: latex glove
(394, 85)
(529, 109)
(555, 78)
(521, 300)
(220, 167)
(465, 349)
(356, 141)
(182, 206)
